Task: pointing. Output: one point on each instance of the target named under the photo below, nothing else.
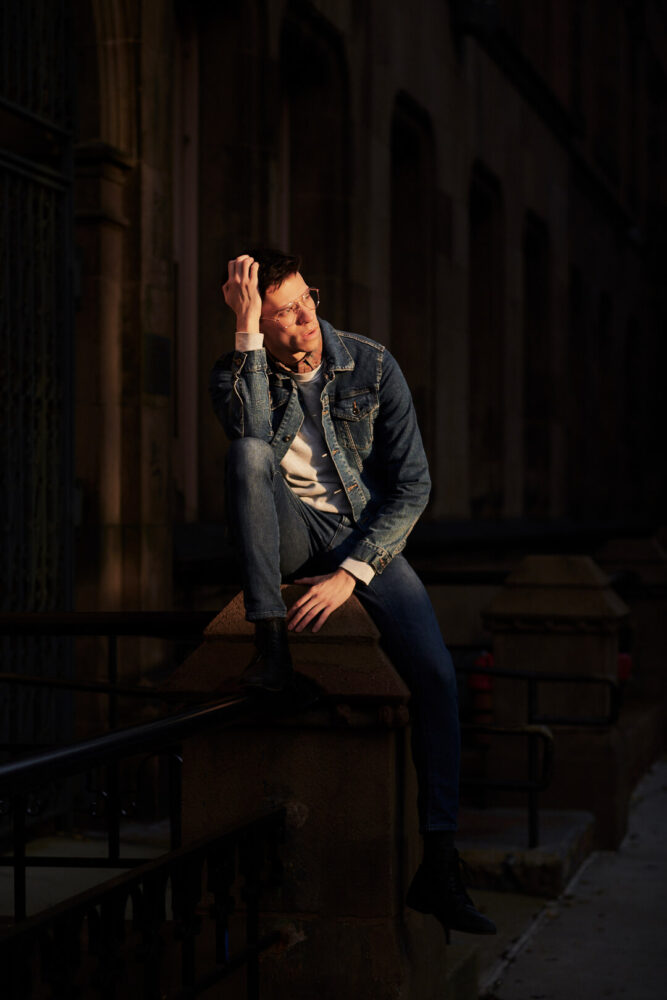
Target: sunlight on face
(289, 342)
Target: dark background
(479, 185)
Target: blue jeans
(277, 535)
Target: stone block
(639, 568)
(343, 772)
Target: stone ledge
(348, 624)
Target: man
(326, 477)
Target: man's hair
(274, 267)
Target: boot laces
(457, 873)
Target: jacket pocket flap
(353, 404)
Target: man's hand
(325, 594)
(241, 294)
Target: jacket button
(288, 437)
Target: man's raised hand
(241, 293)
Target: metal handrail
(536, 728)
(30, 772)
(109, 624)
(535, 783)
(157, 624)
(17, 778)
(98, 687)
(533, 678)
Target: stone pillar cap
(344, 657)
(568, 587)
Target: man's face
(288, 340)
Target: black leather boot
(271, 667)
(437, 888)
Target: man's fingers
(240, 267)
(325, 594)
(302, 616)
(315, 612)
(302, 604)
(324, 614)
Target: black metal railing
(18, 778)
(110, 625)
(144, 933)
(535, 728)
(183, 626)
(87, 939)
(533, 678)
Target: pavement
(603, 938)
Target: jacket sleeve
(239, 388)
(399, 453)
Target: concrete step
(493, 842)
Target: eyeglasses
(310, 300)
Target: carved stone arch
(486, 344)
(107, 40)
(538, 391)
(315, 151)
(413, 197)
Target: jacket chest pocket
(353, 412)
(279, 397)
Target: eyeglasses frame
(293, 304)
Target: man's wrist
(248, 322)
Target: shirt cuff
(361, 570)
(249, 341)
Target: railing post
(175, 762)
(533, 808)
(250, 863)
(112, 677)
(20, 900)
(113, 810)
(113, 779)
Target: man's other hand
(241, 293)
(325, 594)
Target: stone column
(343, 771)
(639, 566)
(555, 614)
(559, 614)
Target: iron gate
(36, 359)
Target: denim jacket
(369, 425)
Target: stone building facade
(478, 185)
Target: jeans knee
(249, 457)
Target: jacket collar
(335, 354)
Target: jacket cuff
(374, 555)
